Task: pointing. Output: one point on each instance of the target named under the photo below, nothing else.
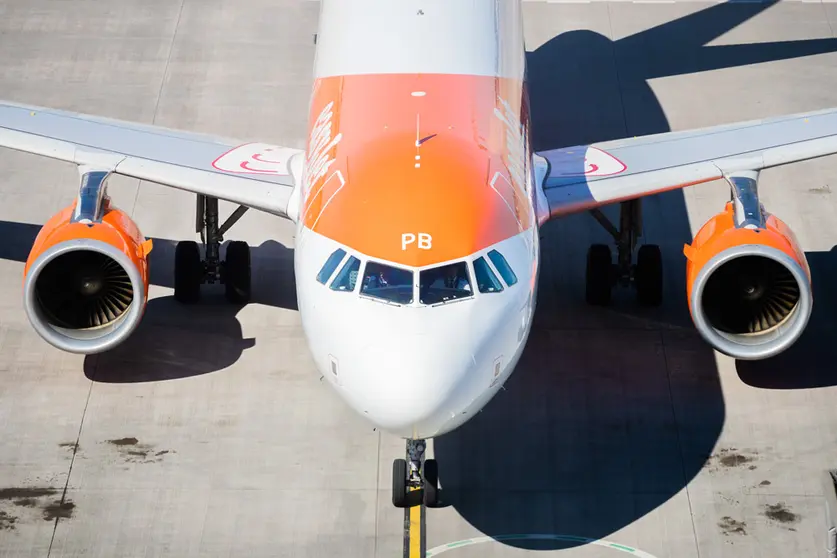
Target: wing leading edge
(588, 176)
(256, 175)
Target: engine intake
(750, 295)
(84, 296)
(83, 290)
(751, 301)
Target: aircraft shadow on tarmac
(599, 427)
(178, 341)
(173, 340)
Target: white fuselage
(417, 369)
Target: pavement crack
(160, 92)
(62, 507)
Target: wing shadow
(611, 412)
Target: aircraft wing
(588, 176)
(256, 175)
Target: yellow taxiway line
(415, 543)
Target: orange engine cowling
(749, 288)
(86, 283)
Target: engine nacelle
(86, 282)
(748, 284)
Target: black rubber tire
(188, 272)
(237, 272)
(599, 277)
(399, 483)
(648, 275)
(431, 483)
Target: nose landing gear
(415, 480)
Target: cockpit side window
(347, 278)
(487, 281)
(445, 283)
(503, 267)
(388, 283)
(330, 265)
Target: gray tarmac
(209, 433)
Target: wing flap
(584, 177)
(258, 175)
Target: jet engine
(86, 278)
(748, 282)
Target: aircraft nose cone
(406, 386)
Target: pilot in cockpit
(453, 280)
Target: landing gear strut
(190, 271)
(602, 274)
(413, 474)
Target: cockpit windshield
(487, 282)
(331, 264)
(347, 278)
(445, 283)
(503, 267)
(388, 283)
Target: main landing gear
(646, 275)
(190, 271)
(414, 474)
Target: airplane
(417, 204)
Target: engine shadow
(613, 411)
(175, 341)
(272, 264)
(809, 363)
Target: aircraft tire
(431, 483)
(237, 273)
(648, 275)
(399, 483)
(599, 277)
(188, 272)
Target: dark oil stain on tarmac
(7, 521)
(781, 513)
(17, 493)
(27, 498)
(730, 526)
(124, 442)
(821, 190)
(734, 460)
(764, 483)
(729, 458)
(58, 510)
(135, 452)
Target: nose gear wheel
(415, 476)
